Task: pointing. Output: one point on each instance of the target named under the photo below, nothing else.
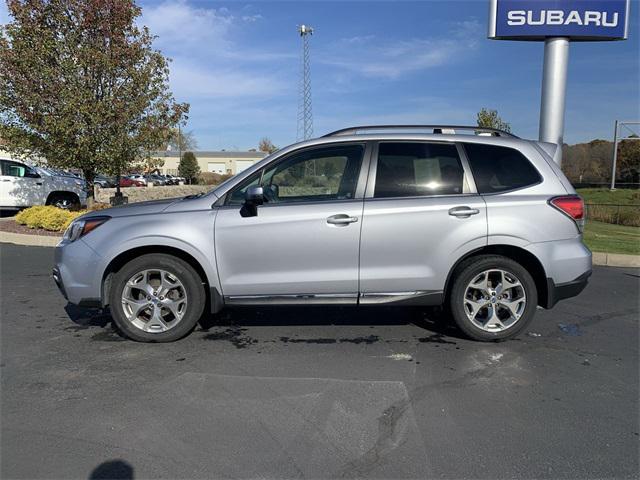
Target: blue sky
(237, 64)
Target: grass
(605, 237)
(604, 195)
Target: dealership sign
(581, 20)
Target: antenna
(305, 115)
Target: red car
(131, 182)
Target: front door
(20, 185)
(303, 244)
(421, 214)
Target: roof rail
(436, 129)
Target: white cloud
(181, 26)
(191, 81)
(373, 56)
(207, 61)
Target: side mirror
(254, 195)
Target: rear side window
(498, 169)
(418, 169)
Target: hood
(158, 206)
(140, 208)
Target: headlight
(79, 228)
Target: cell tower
(305, 115)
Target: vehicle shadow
(434, 320)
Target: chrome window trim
(360, 183)
(468, 181)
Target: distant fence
(632, 186)
(624, 214)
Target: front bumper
(58, 279)
(560, 291)
(74, 272)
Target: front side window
(498, 169)
(318, 174)
(408, 169)
(14, 169)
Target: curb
(615, 259)
(598, 258)
(29, 240)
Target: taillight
(572, 206)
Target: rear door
(421, 214)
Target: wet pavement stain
(570, 329)
(107, 336)
(436, 338)
(234, 335)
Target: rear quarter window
(500, 169)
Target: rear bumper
(560, 291)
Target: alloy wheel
(495, 300)
(154, 300)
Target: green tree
(188, 167)
(629, 159)
(267, 146)
(490, 119)
(82, 86)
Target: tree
(628, 160)
(188, 167)
(267, 146)
(149, 164)
(180, 140)
(490, 119)
(82, 86)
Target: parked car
(172, 179)
(133, 181)
(22, 185)
(486, 225)
(103, 181)
(155, 179)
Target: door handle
(463, 212)
(341, 219)
(6, 179)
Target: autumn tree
(267, 146)
(82, 86)
(490, 119)
(188, 167)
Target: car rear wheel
(156, 298)
(492, 298)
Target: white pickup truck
(24, 186)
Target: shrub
(47, 217)
(211, 178)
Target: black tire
(189, 278)
(473, 267)
(64, 200)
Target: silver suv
(471, 218)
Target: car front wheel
(492, 298)
(156, 298)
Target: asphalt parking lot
(317, 393)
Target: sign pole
(615, 157)
(554, 88)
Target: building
(209, 161)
